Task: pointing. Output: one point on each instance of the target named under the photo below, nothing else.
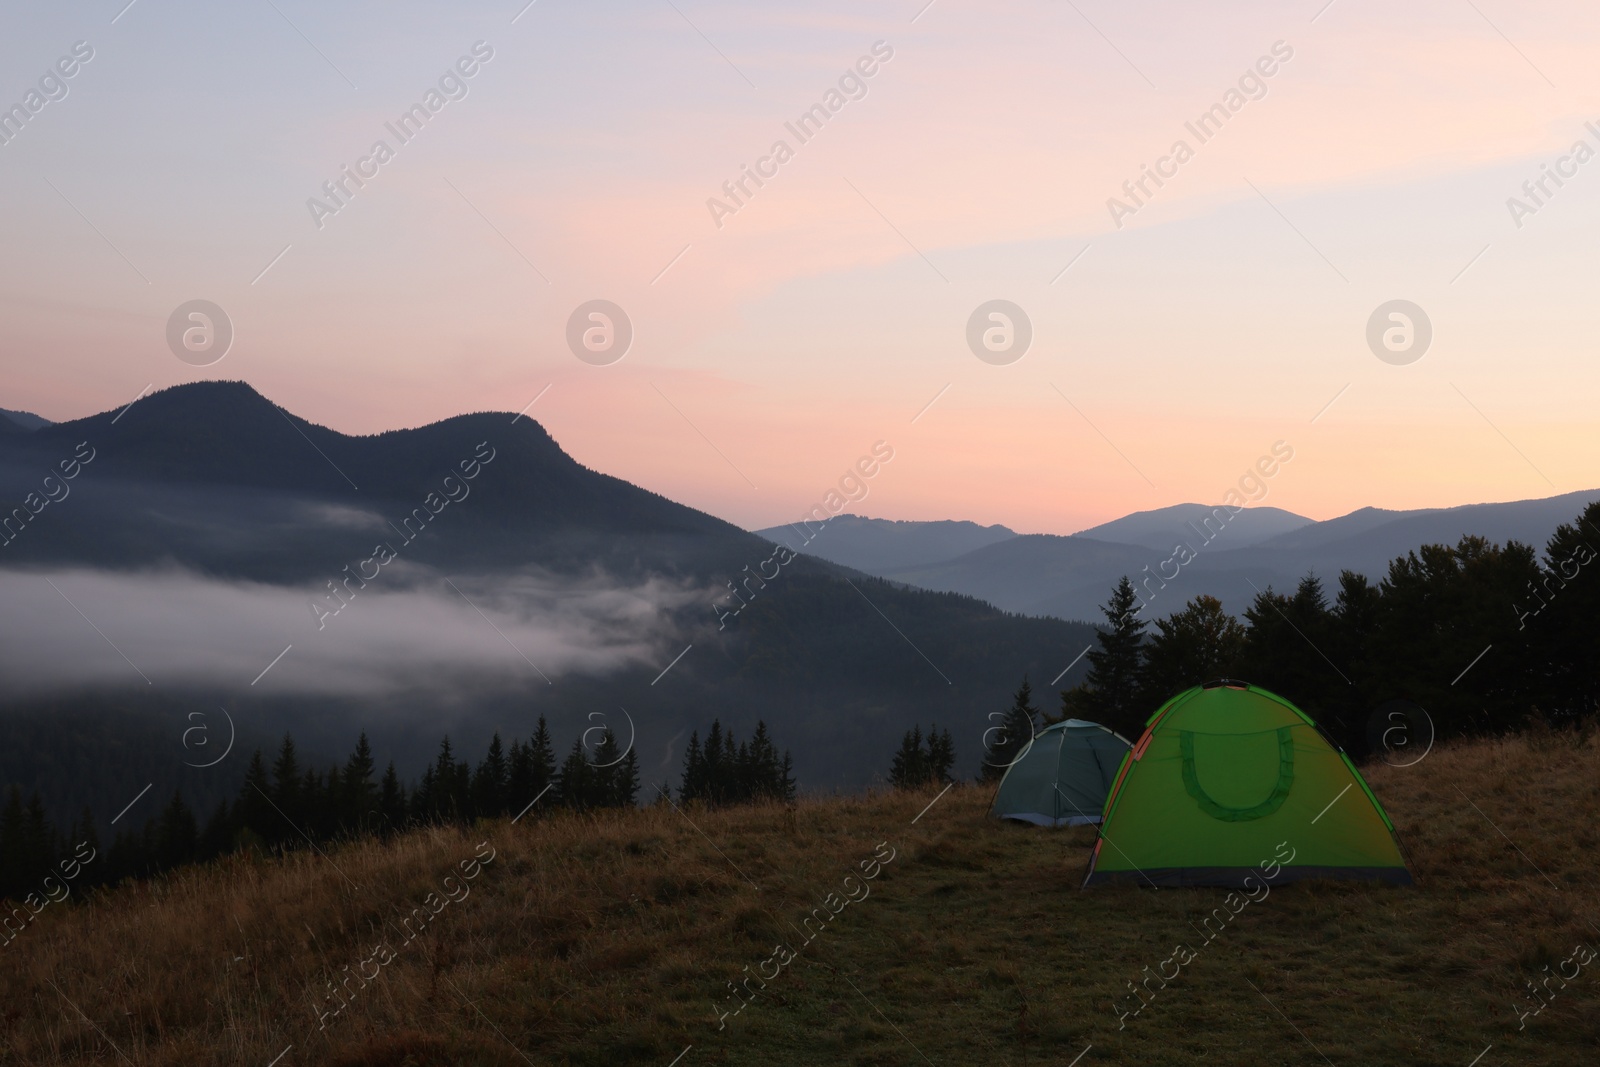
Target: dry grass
(609, 939)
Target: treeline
(1484, 637)
(923, 761)
(727, 772)
(285, 804)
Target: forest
(1477, 639)
(286, 805)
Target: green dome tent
(1062, 776)
(1230, 781)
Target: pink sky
(831, 308)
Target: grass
(612, 938)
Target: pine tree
(537, 769)
(910, 767)
(424, 807)
(253, 816)
(176, 835)
(392, 801)
(1112, 684)
(449, 792)
(941, 754)
(217, 837)
(312, 819)
(286, 790)
(714, 764)
(764, 772)
(575, 786)
(625, 783)
(786, 778)
(693, 786)
(1006, 742)
(360, 807)
(491, 782)
(519, 775)
(614, 775)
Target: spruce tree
(1006, 742)
(543, 756)
(392, 801)
(253, 817)
(216, 839)
(603, 764)
(714, 764)
(693, 785)
(575, 785)
(941, 754)
(359, 808)
(764, 771)
(491, 782)
(449, 798)
(176, 835)
(1112, 685)
(786, 778)
(625, 782)
(286, 790)
(910, 767)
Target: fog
(408, 629)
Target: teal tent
(1062, 776)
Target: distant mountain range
(1162, 528)
(1069, 577)
(881, 546)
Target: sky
(1178, 334)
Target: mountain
(1164, 527)
(876, 545)
(200, 522)
(1033, 574)
(1070, 577)
(214, 476)
(20, 420)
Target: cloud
(405, 631)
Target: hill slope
(616, 939)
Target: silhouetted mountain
(212, 479)
(1164, 527)
(213, 475)
(1070, 577)
(877, 545)
(23, 420)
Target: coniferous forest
(287, 804)
(1474, 639)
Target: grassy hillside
(613, 939)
